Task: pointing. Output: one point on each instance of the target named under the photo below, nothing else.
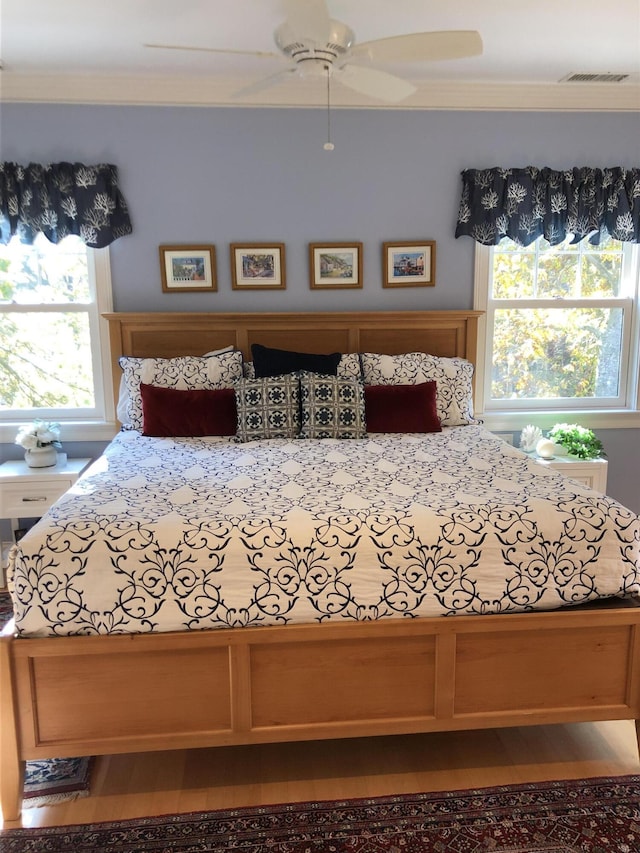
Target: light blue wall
(225, 175)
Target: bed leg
(637, 723)
(11, 767)
(12, 784)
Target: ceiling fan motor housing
(315, 58)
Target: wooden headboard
(163, 335)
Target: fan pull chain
(328, 146)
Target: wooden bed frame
(73, 696)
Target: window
(561, 327)
(54, 357)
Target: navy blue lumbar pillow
(268, 361)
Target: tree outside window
(50, 356)
(559, 322)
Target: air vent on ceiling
(594, 78)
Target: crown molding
(300, 93)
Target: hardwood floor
(129, 786)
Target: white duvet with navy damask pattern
(190, 534)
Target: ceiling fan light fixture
(314, 68)
(300, 49)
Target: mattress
(184, 534)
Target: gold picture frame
(258, 266)
(335, 266)
(409, 263)
(187, 269)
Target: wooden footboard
(103, 695)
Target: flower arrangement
(577, 440)
(39, 434)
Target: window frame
(600, 416)
(101, 425)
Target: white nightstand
(29, 492)
(591, 472)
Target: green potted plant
(577, 441)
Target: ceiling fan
(315, 45)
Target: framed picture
(257, 266)
(187, 268)
(335, 265)
(409, 264)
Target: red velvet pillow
(172, 412)
(401, 408)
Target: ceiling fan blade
(264, 83)
(376, 84)
(444, 44)
(260, 53)
(309, 19)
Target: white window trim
(101, 428)
(594, 418)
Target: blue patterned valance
(60, 199)
(524, 204)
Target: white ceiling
(93, 51)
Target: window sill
(69, 431)
(545, 420)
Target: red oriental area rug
(582, 816)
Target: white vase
(41, 457)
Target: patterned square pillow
(186, 373)
(268, 408)
(331, 407)
(453, 377)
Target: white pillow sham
(183, 372)
(453, 377)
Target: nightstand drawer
(31, 499)
(585, 479)
(589, 472)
